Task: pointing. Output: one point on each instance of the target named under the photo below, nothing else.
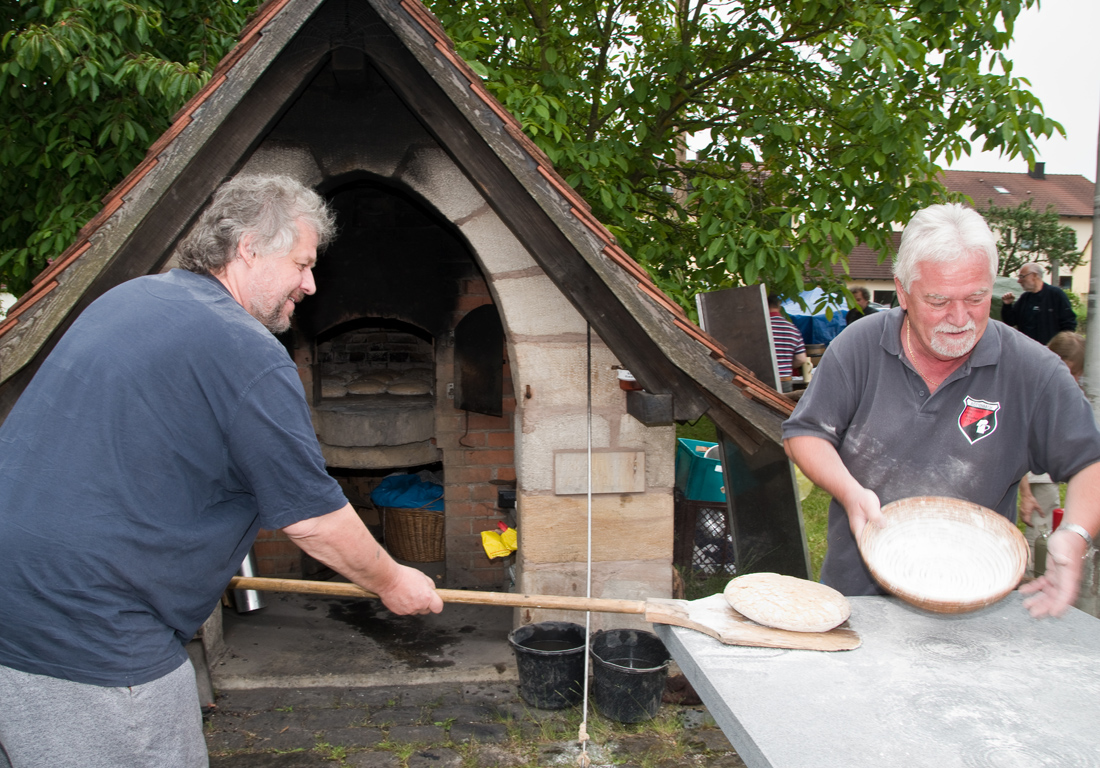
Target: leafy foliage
(1028, 235)
(825, 119)
(85, 87)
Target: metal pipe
(248, 600)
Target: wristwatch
(1080, 531)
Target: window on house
(1002, 190)
(1065, 282)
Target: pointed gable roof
(864, 262)
(278, 52)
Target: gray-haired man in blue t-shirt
(165, 429)
(931, 398)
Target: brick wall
(478, 461)
(277, 556)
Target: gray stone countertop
(987, 689)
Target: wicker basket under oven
(413, 535)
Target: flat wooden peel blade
(710, 615)
(715, 617)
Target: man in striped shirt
(790, 350)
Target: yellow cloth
(499, 544)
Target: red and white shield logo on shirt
(978, 419)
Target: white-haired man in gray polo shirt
(931, 398)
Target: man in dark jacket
(1042, 311)
(862, 308)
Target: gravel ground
(445, 726)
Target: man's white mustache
(946, 327)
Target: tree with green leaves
(1027, 235)
(822, 123)
(85, 87)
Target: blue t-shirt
(164, 430)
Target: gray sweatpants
(46, 722)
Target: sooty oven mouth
(373, 359)
(374, 395)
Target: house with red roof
(867, 270)
(1071, 196)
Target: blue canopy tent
(817, 328)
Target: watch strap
(1079, 530)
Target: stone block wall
(547, 348)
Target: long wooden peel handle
(469, 597)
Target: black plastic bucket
(550, 660)
(629, 671)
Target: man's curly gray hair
(266, 207)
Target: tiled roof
(1071, 195)
(863, 262)
(752, 387)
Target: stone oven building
(463, 256)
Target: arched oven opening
(402, 354)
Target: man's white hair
(943, 233)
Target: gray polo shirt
(1011, 407)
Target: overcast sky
(1055, 47)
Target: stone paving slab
(456, 725)
(374, 760)
(392, 716)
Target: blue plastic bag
(408, 492)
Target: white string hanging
(582, 735)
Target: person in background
(1042, 311)
(790, 349)
(1070, 347)
(1039, 495)
(862, 308)
(165, 428)
(932, 399)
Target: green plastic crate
(697, 477)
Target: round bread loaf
(366, 386)
(332, 386)
(407, 387)
(785, 602)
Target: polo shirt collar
(986, 352)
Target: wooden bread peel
(711, 615)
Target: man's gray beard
(274, 322)
(953, 348)
(268, 310)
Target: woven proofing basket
(944, 555)
(413, 535)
